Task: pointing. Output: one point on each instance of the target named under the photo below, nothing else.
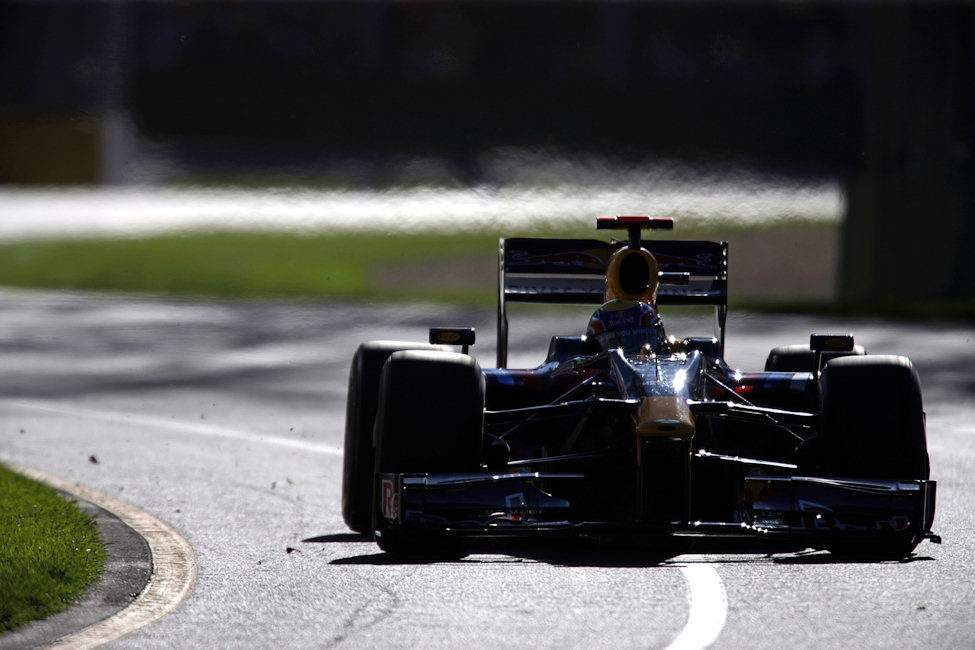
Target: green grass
(365, 266)
(244, 264)
(50, 553)
(457, 268)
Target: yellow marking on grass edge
(173, 566)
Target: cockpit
(630, 325)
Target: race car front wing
(813, 510)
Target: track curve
(224, 419)
(171, 556)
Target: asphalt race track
(225, 420)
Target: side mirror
(820, 343)
(462, 336)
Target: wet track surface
(226, 421)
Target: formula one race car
(629, 431)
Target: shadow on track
(338, 538)
(553, 557)
(569, 553)
(828, 558)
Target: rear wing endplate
(573, 271)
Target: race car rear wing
(573, 271)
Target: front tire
(873, 427)
(430, 419)
(360, 416)
(873, 419)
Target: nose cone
(666, 416)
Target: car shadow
(339, 538)
(586, 553)
(821, 557)
(556, 557)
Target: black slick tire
(873, 419)
(430, 419)
(800, 358)
(873, 427)
(360, 416)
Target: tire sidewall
(361, 405)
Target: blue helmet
(626, 324)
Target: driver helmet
(626, 324)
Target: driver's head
(632, 274)
(626, 324)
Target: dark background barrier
(767, 81)
(880, 95)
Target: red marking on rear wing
(573, 271)
(622, 222)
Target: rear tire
(360, 416)
(873, 427)
(800, 358)
(430, 419)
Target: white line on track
(708, 607)
(173, 566)
(706, 595)
(181, 426)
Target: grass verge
(50, 551)
(458, 268)
(241, 265)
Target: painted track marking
(173, 566)
(708, 607)
(173, 562)
(706, 595)
(181, 426)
